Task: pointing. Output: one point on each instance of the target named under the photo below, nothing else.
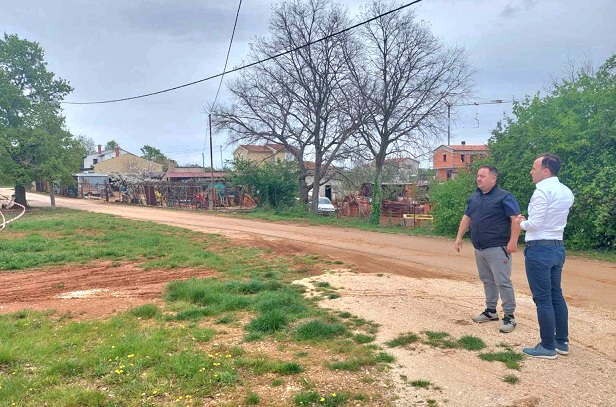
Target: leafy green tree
(576, 121)
(154, 154)
(273, 183)
(87, 143)
(111, 144)
(34, 145)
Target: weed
(470, 342)
(439, 340)
(510, 358)
(277, 382)
(252, 399)
(432, 403)
(289, 368)
(424, 384)
(403, 339)
(318, 329)
(146, 311)
(268, 322)
(362, 338)
(511, 379)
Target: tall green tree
(576, 121)
(273, 183)
(154, 154)
(34, 145)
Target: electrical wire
(280, 54)
(228, 53)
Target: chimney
(117, 151)
(464, 143)
(100, 148)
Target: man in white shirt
(545, 256)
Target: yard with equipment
(392, 317)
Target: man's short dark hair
(491, 169)
(551, 162)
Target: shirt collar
(549, 180)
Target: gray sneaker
(508, 324)
(486, 316)
(562, 348)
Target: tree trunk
(20, 195)
(377, 196)
(52, 195)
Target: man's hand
(458, 245)
(512, 247)
(520, 219)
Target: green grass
(511, 379)
(510, 358)
(470, 342)
(439, 339)
(319, 329)
(423, 384)
(176, 352)
(402, 340)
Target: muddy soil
(403, 283)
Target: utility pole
(448, 121)
(212, 190)
(222, 166)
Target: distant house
(401, 169)
(129, 164)
(449, 160)
(100, 156)
(270, 152)
(331, 183)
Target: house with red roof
(449, 160)
(263, 153)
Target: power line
(228, 53)
(248, 65)
(226, 61)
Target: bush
(449, 200)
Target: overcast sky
(114, 49)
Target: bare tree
(296, 99)
(404, 77)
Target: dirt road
(407, 283)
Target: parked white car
(325, 206)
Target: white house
(101, 155)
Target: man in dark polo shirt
(491, 214)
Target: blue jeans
(544, 266)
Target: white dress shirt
(548, 210)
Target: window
(444, 158)
(462, 157)
(94, 161)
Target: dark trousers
(544, 266)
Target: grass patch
(510, 358)
(319, 329)
(439, 339)
(470, 342)
(146, 311)
(402, 340)
(423, 384)
(252, 399)
(511, 379)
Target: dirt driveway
(405, 284)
